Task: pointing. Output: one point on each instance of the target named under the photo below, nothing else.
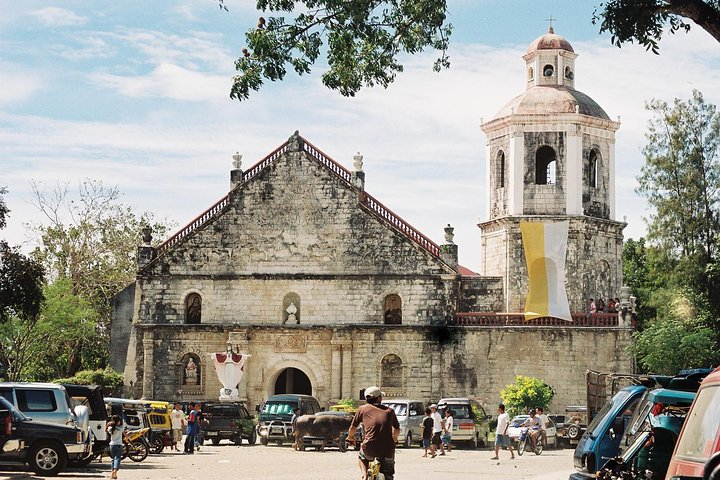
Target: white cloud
(58, 17)
(18, 85)
(423, 148)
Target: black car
(41, 445)
(229, 421)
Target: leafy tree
(681, 180)
(363, 40)
(90, 239)
(644, 21)
(526, 393)
(21, 278)
(110, 381)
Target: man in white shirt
(533, 424)
(447, 429)
(539, 412)
(177, 425)
(502, 439)
(437, 431)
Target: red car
(697, 452)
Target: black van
(276, 414)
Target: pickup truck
(229, 421)
(45, 446)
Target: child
(427, 430)
(116, 429)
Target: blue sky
(136, 94)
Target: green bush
(526, 393)
(110, 381)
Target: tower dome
(550, 41)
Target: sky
(136, 94)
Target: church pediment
(298, 211)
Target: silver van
(410, 414)
(49, 402)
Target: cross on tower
(550, 29)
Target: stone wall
(436, 361)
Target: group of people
(537, 424)
(612, 306)
(436, 431)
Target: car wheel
(408, 440)
(47, 459)
(573, 432)
(215, 441)
(252, 440)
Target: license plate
(317, 442)
(276, 430)
(210, 434)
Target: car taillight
(8, 425)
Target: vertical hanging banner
(229, 367)
(545, 246)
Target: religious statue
(191, 376)
(194, 310)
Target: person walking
(427, 425)
(381, 429)
(191, 431)
(177, 425)
(116, 429)
(447, 430)
(502, 439)
(437, 431)
(200, 424)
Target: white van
(469, 425)
(410, 414)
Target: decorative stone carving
(291, 311)
(290, 344)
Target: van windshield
(701, 426)
(279, 408)
(614, 404)
(459, 412)
(401, 409)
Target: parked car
(46, 447)
(276, 413)
(696, 452)
(410, 414)
(551, 439)
(229, 421)
(50, 402)
(470, 423)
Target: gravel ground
(257, 462)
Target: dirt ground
(257, 462)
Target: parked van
(410, 414)
(276, 413)
(91, 397)
(696, 453)
(470, 423)
(50, 402)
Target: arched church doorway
(293, 380)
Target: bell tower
(551, 157)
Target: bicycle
(525, 437)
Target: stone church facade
(329, 291)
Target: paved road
(257, 462)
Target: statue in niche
(191, 373)
(194, 309)
(393, 310)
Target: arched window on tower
(393, 310)
(592, 168)
(545, 166)
(500, 169)
(391, 371)
(193, 309)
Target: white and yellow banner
(545, 246)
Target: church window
(501, 169)
(592, 168)
(569, 73)
(531, 73)
(545, 166)
(393, 310)
(291, 308)
(548, 70)
(193, 309)
(391, 371)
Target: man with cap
(380, 432)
